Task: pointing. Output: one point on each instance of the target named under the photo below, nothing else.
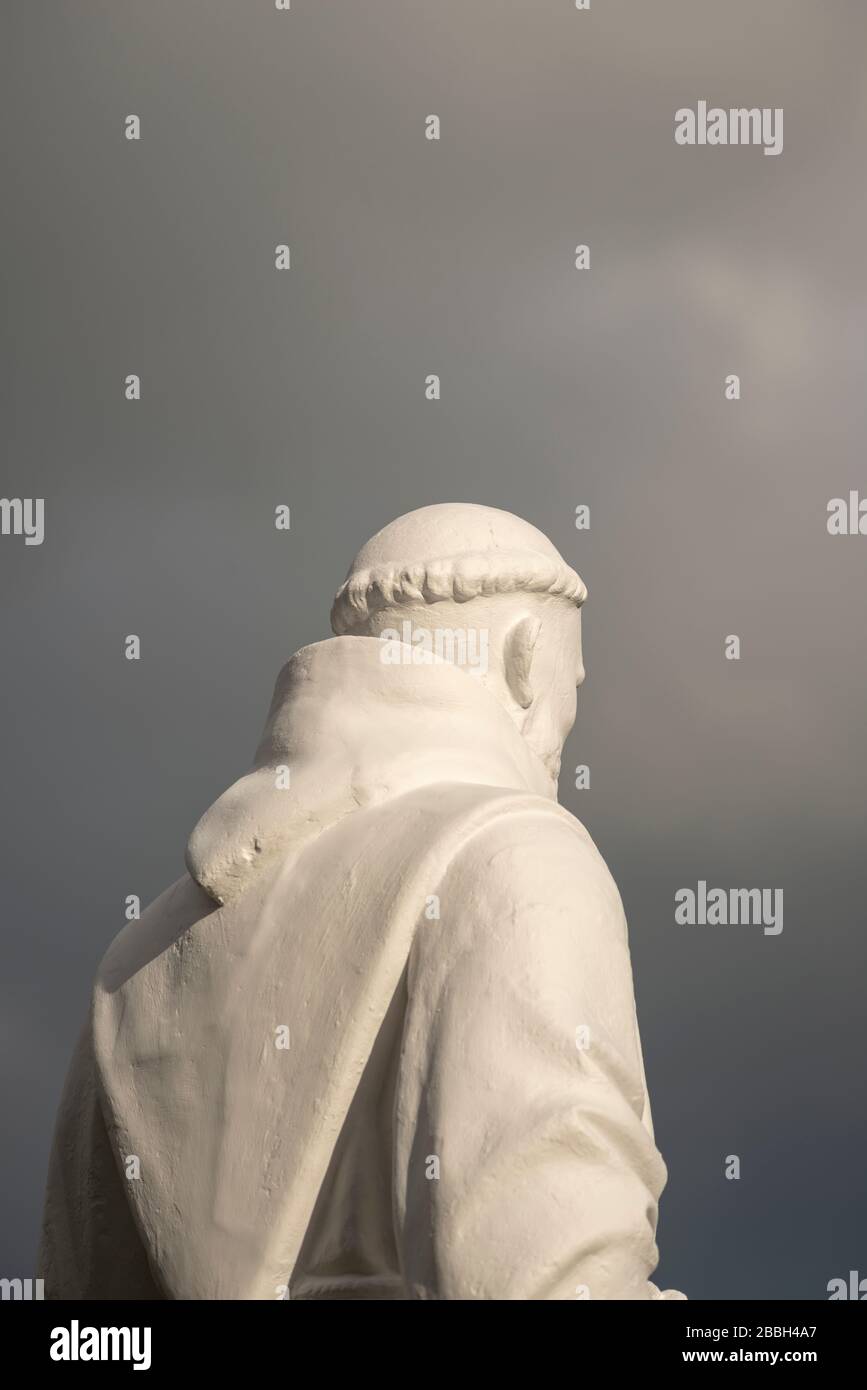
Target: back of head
(486, 591)
(450, 552)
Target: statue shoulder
(163, 922)
(528, 850)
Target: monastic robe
(379, 1042)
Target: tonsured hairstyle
(458, 578)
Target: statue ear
(518, 659)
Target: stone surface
(380, 1042)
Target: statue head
(486, 591)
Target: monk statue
(380, 1040)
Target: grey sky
(602, 387)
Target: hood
(354, 731)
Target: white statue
(380, 1042)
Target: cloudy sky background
(559, 388)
